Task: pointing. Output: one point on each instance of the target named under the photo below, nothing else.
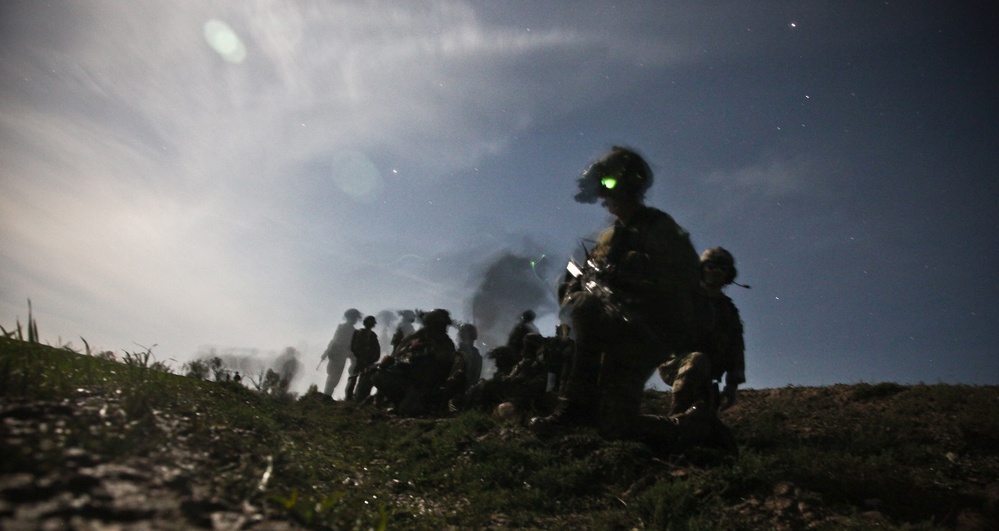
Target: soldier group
(425, 373)
(643, 301)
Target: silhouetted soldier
(466, 369)
(405, 328)
(366, 352)
(524, 386)
(557, 353)
(338, 350)
(504, 358)
(413, 377)
(467, 334)
(524, 326)
(720, 351)
(632, 304)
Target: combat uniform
(629, 315)
(505, 358)
(515, 339)
(524, 386)
(557, 354)
(366, 351)
(719, 352)
(337, 352)
(473, 363)
(413, 377)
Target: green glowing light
(608, 182)
(534, 267)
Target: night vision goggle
(597, 182)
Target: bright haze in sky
(230, 176)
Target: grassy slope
(858, 456)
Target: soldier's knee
(584, 301)
(587, 311)
(696, 365)
(668, 373)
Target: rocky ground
(54, 479)
(958, 487)
(167, 487)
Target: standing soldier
(719, 351)
(525, 326)
(632, 305)
(506, 357)
(405, 328)
(366, 352)
(387, 324)
(338, 350)
(467, 334)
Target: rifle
(591, 278)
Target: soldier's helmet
(622, 170)
(408, 315)
(722, 259)
(468, 333)
(370, 321)
(528, 316)
(437, 318)
(352, 314)
(533, 342)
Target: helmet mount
(621, 172)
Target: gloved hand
(728, 396)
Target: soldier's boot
(660, 433)
(578, 405)
(567, 414)
(695, 425)
(692, 382)
(700, 426)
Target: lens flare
(224, 41)
(356, 175)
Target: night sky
(230, 176)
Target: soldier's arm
(736, 373)
(329, 349)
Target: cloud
(91, 228)
(145, 172)
(771, 178)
